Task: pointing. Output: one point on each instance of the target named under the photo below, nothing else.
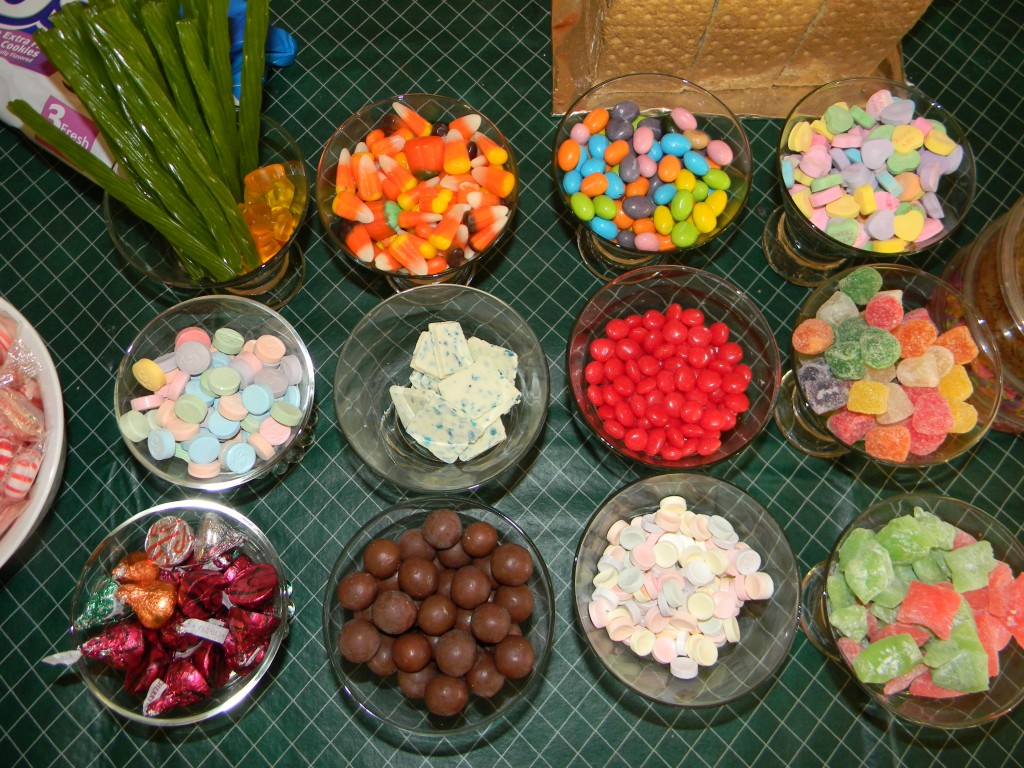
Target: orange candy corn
(492, 150)
(456, 153)
(412, 119)
(397, 173)
(497, 180)
(403, 250)
(348, 205)
(467, 125)
(367, 181)
(358, 241)
(444, 233)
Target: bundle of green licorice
(155, 76)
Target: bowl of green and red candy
(925, 601)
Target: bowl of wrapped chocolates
(438, 617)
(178, 613)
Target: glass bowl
(376, 356)
(766, 627)
(655, 95)
(250, 319)
(108, 684)
(809, 431)
(274, 283)
(804, 254)
(1007, 689)
(383, 700)
(655, 288)
(463, 260)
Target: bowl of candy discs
(922, 601)
(687, 590)
(419, 188)
(649, 166)
(874, 373)
(673, 367)
(178, 613)
(438, 616)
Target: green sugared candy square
(894, 592)
(879, 348)
(971, 565)
(861, 284)
(869, 572)
(904, 540)
(845, 360)
(883, 614)
(839, 594)
(887, 658)
(931, 569)
(851, 622)
(851, 329)
(941, 534)
(959, 663)
(853, 543)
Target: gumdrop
(879, 348)
(884, 310)
(861, 284)
(849, 648)
(826, 394)
(923, 686)
(943, 359)
(868, 397)
(918, 372)
(851, 329)
(922, 444)
(965, 417)
(956, 385)
(958, 341)
(884, 375)
(887, 658)
(932, 415)
(850, 427)
(895, 590)
(837, 308)
(898, 406)
(890, 443)
(845, 360)
(916, 393)
(812, 336)
(921, 636)
(854, 542)
(904, 681)
(940, 533)
(932, 606)
(915, 336)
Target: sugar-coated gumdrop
(932, 415)
(883, 375)
(884, 310)
(956, 385)
(845, 360)
(889, 443)
(958, 340)
(850, 427)
(837, 307)
(916, 393)
(826, 393)
(879, 348)
(921, 313)
(851, 329)
(861, 284)
(870, 397)
(918, 372)
(915, 336)
(812, 336)
(965, 417)
(898, 406)
(922, 444)
(943, 358)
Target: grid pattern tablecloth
(58, 266)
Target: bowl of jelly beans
(419, 188)
(921, 600)
(439, 617)
(687, 590)
(673, 367)
(178, 614)
(877, 370)
(869, 170)
(649, 166)
(216, 392)
(276, 198)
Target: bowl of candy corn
(178, 613)
(922, 601)
(869, 170)
(649, 166)
(877, 370)
(419, 188)
(687, 590)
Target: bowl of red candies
(439, 616)
(418, 188)
(673, 367)
(179, 613)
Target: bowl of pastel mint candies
(216, 392)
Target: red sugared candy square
(932, 606)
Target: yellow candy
(663, 221)
(685, 180)
(704, 218)
(893, 245)
(868, 397)
(718, 200)
(150, 375)
(800, 137)
(801, 178)
(965, 416)
(802, 200)
(956, 385)
(845, 207)
(907, 138)
(908, 226)
(819, 126)
(865, 197)
(938, 142)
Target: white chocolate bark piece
(451, 351)
(493, 435)
(504, 361)
(423, 358)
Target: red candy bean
(699, 336)
(595, 395)
(692, 317)
(697, 357)
(674, 332)
(730, 352)
(616, 329)
(614, 429)
(652, 319)
(673, 312)
(709, 381)
(605, 412)
(614, 368)
(594, 372)
(601, 349)
(645, 386)
(633, 372)
(685, 379)
(655, 440)
(635, 439)
(624, 414)
(626, 349)
(648, 365)
(719, 333)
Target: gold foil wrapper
(153, 603)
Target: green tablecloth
(58, 266)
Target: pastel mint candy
(887, 658)
(879, 132)
(971, 565)
(843, 230)
(851, 328)
(875, 152)
(838, 119)
(900, 112)
(903, 208)
(879, 348)
(967, 670)
(857, 175)
(881, 225)
(904, 539)
(861, 284)
(862, 118)
(827, 181)
(851, 622)
(845, 360)
(869, 571)
(900, 162)
(839, 158)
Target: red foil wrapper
(201, 593)
(239, 564)
(209, 659)
(242, 661)
(169, 700)
(173, 638)
(153, 603)
(136, 568)
(120, 645)
(253, 586)
(249, 634)
(155, 660)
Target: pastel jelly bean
(871, 150)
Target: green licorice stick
(218, 58)
(250, 102)
(188, 246)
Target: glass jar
(990, 274)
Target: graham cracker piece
(765, 14)
(763, 55)
(668, 45)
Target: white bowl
(40, 497)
